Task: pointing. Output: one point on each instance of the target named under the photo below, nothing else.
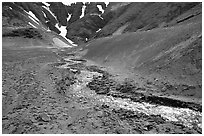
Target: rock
(20, 129)
(12, 128)
(44, 117)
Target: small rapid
(185, 116)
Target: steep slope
(168, 58)
(17, 22)
(82, 22)
(52, 16)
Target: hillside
(102, 68)
(169, 55)
(81, 22)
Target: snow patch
(68, 3)
(64, 32)
(32, 24)
(31, 14)
(50, 12)
(100, 8)
(68, 18)
(71, 42)
(83, 11)
(33, 19)
(98, 30)
(60, 43)
(62, 29)
(44, 14)
(100, 16)
(47, 4)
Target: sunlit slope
(153, 51)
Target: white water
(182, 115)
(185, 116)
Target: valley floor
(57, 92)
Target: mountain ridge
(69, 19)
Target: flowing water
(185, 116)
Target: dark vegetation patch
(25, 33)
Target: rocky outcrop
(84, 28)
(84, 20)
(76, 11)
(142, 16)
(91, 8)
(60, 12)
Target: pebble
(44, 117)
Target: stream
(185, 116)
